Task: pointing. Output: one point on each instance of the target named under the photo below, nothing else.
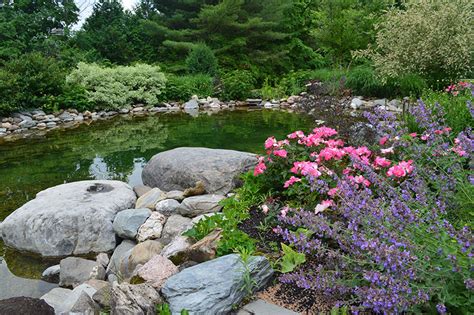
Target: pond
(118, 149)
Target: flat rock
(128, 299)
(66, 301)
(157, 270)
(191, 104)
(69, 219)
(140, 255)
(152, 227)
(25, 306)
(175, 226)
(13, 286)
(175, 194)
(121, 253)
(181, 168)
(75, 270)
(167, 207)
(150, 199)
(127, 222)
(215, 286)
(140, 190)
(197, 205)
(262, 307)
(177, 245)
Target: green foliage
(363, 80)
(201, 60)
(29, 81)
(25, 25)
(345, 25)
(268, 92)
(181, 88)
(237, 84)
(431, 38)
(164, 309)
(112, 88)
(235, 210)
(290, 259)
(456, 112)
(249, 284)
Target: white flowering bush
(112, 88)
(430, 38)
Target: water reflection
(118, 149)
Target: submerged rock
(69, 219)
(215, 286)
(182, 167)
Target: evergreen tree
(106, 32)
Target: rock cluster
(151, 260)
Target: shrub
(237, 84)
(388, 229)
(201, 60)
(431, 38)
(115, 87)
(293, 83)
(451, 105)
(29, 81)
(363, 81)
(181, 88)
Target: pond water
(118, 149)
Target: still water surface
(118, 149)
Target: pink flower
(305, 168)
(438, 132)
(447, 129)
(333, 191)
(383, 140)
(401, 169)
(270, 142)
(296, 134)
(387, 151)
(284, 211)
(265, 209)
(291, 181)
(346, 171)
(324, 132)
(334, 143)
(382, 162)
(281, 153)
(425, 137)
(362, 180)
(260, 168)
(323, 206)
(413, 134)
(329, 153)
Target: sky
(85, 6)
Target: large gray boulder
(181, 168)
(69, 219)
(215, 286)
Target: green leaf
(291, 259)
